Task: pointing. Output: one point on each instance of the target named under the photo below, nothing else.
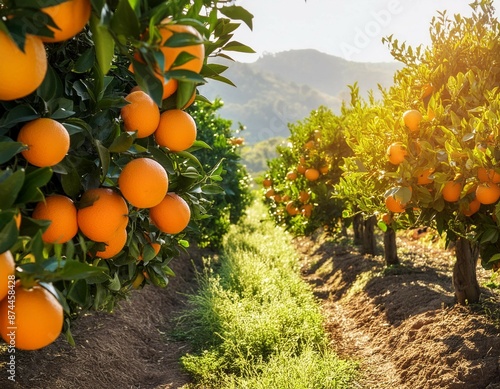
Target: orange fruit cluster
(22, 70)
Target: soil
(401, 324)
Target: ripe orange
(304, 196)
(197, 51)
(176, 130)
(47, 140)
(70, 17)
(7, 269)
(114, 245)
(451, 191)
(270, 193)
(38, 318)
(267, 182)
(427, 90)
(309, 145)
(291, 208)
(18, 218)
(291, 175)
(61, 212)
(488, 175)
(141, 115)
(487, 193)
(172, 215)
(412, 119)
(423, 177)
(324, 169)
(21, 72)
(306, 210)
(101, 214)
(301, 169)
(394, 205)
(312, 174)
(472, 208)
(143, 182)
(396, 153)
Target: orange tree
(303, 175)
(231, 193)
(108, 84)
(446, 100)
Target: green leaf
(238, 13)
(8, 236)
(76, 270)
(122, 143)
(212, 189)
(10, 186)
(85, 62)
(125, 21)
(188, 155)
(185, 90)
(104, 44)
(51, 87)
(8, 149)
(186, 75)
(239, 47)
(105, 158)
(19, 114)
(71, 182)
(79, 293)
(30, 192)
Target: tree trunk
(357, 225)
(390, 248)
(465, 282)
(369, 241)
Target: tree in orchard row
(99, 184)
(298, 185)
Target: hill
(282, 88)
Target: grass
(254, 322)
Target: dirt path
(403, 325)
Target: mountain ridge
(285, 87)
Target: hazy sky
(351, 29)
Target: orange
(387, 218)
(324, 169)
(309, 145)
(488, 175)
(141, 115)
(396, 153)
(306, 210)
(423, 177)
(38, 318)
(312, 174)
(472, 208)
(101, 214)
(304, 196)
(7, 271)
(143, 182)
(270, 193)
(427, 90)
(412, 119)
(291, 175)
(487, 193)
(197, 51)
(61, 212)
(21, 72)
(172, 215)
(301, 169)
(18, 218)
(451, 191)
(267, 182)
(114, 245)
(394, 205)
(176, 130)
(291, 208)
(47, 140)
(71, 16)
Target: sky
(351, 29)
